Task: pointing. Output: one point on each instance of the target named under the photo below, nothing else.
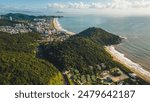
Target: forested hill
(25, 17)
(83, 55)
(81, 58)
(18, 62)
(82, 50)
(5, 22)
(19, 16)
(101, 36)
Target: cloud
(114, 4)
(57, 5)
(80, 5)
(130, 4)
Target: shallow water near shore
(136, 29)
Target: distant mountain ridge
(5, 22)
(20, 16)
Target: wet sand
(134, 67)
(58, 27)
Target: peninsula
(38, 50)
(95, 37)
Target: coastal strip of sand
(134, 67)
(58, 27)
(117, 56)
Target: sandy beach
(134, 67)
(117, 56)
(58, 27)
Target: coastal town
(49, 29)
(17, 28)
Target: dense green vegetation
(5, 22)
(19, 42)
(76, 53)
(79, 52)
(18, 16)
(24, 17)
(18, 64)
(81, 58)
(100, 36)
(22, 68)
(83, 55)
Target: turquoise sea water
(136, 29)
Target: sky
(110, 7)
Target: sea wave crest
(127, 62)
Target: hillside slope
(19, 65)
(100, 36)
(83, 55)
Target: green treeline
(25, 17)
(18, 62)
(22, 68)
(19, 42)
(83, 55)
(81, 58)
(80, 51)
(4, 22)
(100, 36)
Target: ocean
(135, 28)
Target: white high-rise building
(10, 18)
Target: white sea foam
(116, 54)
(60, 28)
(121, 57)
(123, 37)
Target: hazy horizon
(98, 7)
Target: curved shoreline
(117, 56)
(134, 67)
(58, 27)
